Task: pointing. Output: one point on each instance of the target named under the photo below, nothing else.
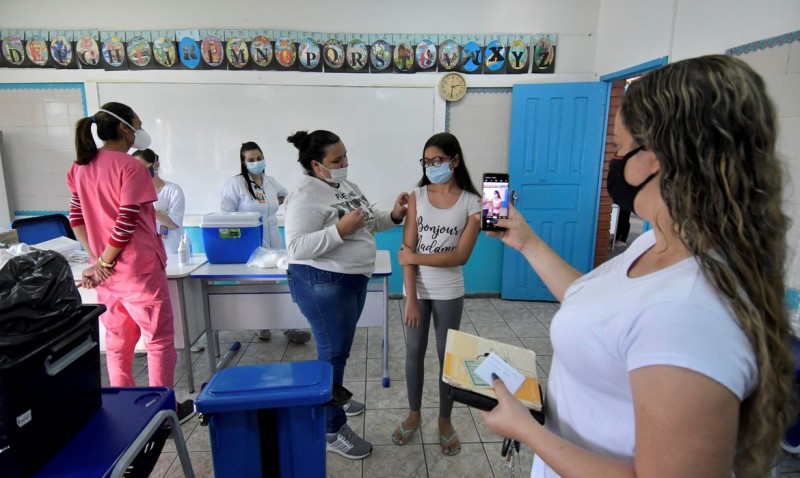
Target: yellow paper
(464, 351)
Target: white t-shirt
(312, 212)
(438, 230)
(170, 201)
(236, 198)
(610, 324)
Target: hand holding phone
(495, 200)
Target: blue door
(555, 164)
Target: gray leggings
(446, 315)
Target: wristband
(107, 265)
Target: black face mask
(152, 171)
(622, 193)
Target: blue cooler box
(231, 237)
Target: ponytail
(107, 129)
(85, 147)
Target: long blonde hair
(713, 128)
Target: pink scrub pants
(138, 305)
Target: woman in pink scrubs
(112, 214)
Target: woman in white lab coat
(170, 205)
(254, 191)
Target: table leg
(385, 345)
(187, 346)
(212, 346)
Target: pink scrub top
(110, 180)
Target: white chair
(614, 219)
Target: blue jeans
(332, 303)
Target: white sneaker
(346, 443)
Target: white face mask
(336, 174)
(141, 140)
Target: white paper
(508, 374)
(63, 245)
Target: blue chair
(33, 230)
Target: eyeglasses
(435, 161)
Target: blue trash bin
(268, 420)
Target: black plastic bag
(37, 295)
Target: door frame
(635, 70)
(604, 220)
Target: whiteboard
(197, 130)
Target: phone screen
(495, 200)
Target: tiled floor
(520, 323)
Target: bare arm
(686, 426)
(411, 314)
(96, 273)
(173, 216)
(457, 257)
(164, 219)
(554, 271)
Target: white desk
(184, 295)
(238, 297)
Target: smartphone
(495, 200)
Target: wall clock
(453, 86)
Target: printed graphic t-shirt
(438, 230)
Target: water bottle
(183, 252)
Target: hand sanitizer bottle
(188, 245)
(183, 252)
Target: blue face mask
(439, 174)
(256, 167)
(152, 171)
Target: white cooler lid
(231, 219)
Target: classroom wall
(631, 32)
(780, 67)
(595, 37)
(575, 21)
(713, 26)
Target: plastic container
(231, 237)
(268, 420)
(49, 389)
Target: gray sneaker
(353, 408)
(346, 443)
(297, 336)
(263, 334)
